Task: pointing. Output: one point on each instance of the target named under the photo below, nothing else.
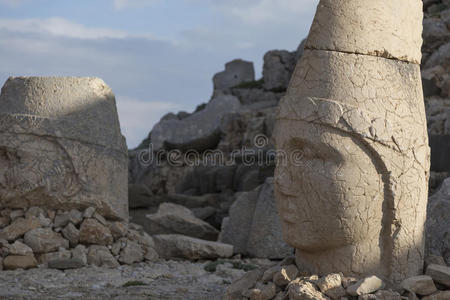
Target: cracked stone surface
(352, 194)
(61, 146)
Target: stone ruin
(354, 109)
(63, 177)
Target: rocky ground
(152, 280)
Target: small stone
(421, 285)
(66, 263)
(13, 262)
(265, 291)
(116, 247)
(89, 213)
(304, 290)
(440, 274)
(269, 273)
(329, 282)
(19, 227)
(364, 286)
(118, 229)
(92, 232)
(51, 214)
(45, 222)
(64, 218)
(151, 254)
(101, 257)
(285, 275)
(60, 254)
(19, 248)
(132, 253)
(16, 214)
(381, 295)
(72, 234)
(100, 218)
(248, 281)
(44, 240)
(35, 212)
(441, 295)
(80, 253)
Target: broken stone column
(355, 201)
(61, 146)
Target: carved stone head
(356, 203)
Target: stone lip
(75, 108)
(389, 29)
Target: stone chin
(331, 199)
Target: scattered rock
(101, 257)
(331, 285)
(74, 216)
(44, 240)
(72, 234)
(175, 245)
(381, 295)
(285, 275)
(92, 232)
(118, 229)
(66, 263)
(176, 219)
(441, 295)
(19, 248)
(80, 253)
(302, 290)
(132, 253)
(440, 274)
(248, 281)
(421, 285)
(13, 262)
(19, 227)
(60, 254)
(364, 286)
(89, 212)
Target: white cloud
(122, 4)
(138, 117)
(61, 27)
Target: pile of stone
(69, 239)
(286, 281)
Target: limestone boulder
(44, 240)
(100, 256)
(199, 131)
(438, 222)
(440, 274)
(236, 72)
(81, 162)
(93, 232)
(13, 262)
(172, 218)
(179, 246)
(253, 226)
(19, 227)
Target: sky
(158, 56)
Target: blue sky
(157, 55)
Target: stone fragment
(118, 229)
(80, 253)
(92, 232)
(440, 274)
(101, 257)
(17, 213)
(66, 263)
(248, 281)
(302, 290)
(19, 248)
(35, 211)
(44, 240)
(89, 212)
(263, 291)
(254, 227)
(132, 253)
(364, 286)
(269, 273)
(100, 218)
(285, 275)
(19, 227)
(60, 254)
(176, 219)
(331, 285)
(13, 262)
(236, 72)
(421, 285)
(74, 216)
(60, 138)
(179, 246)
(381, 295)
(441, 295)
(72, 234)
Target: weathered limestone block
(236, 72)
(352, 190)
(61, 146)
